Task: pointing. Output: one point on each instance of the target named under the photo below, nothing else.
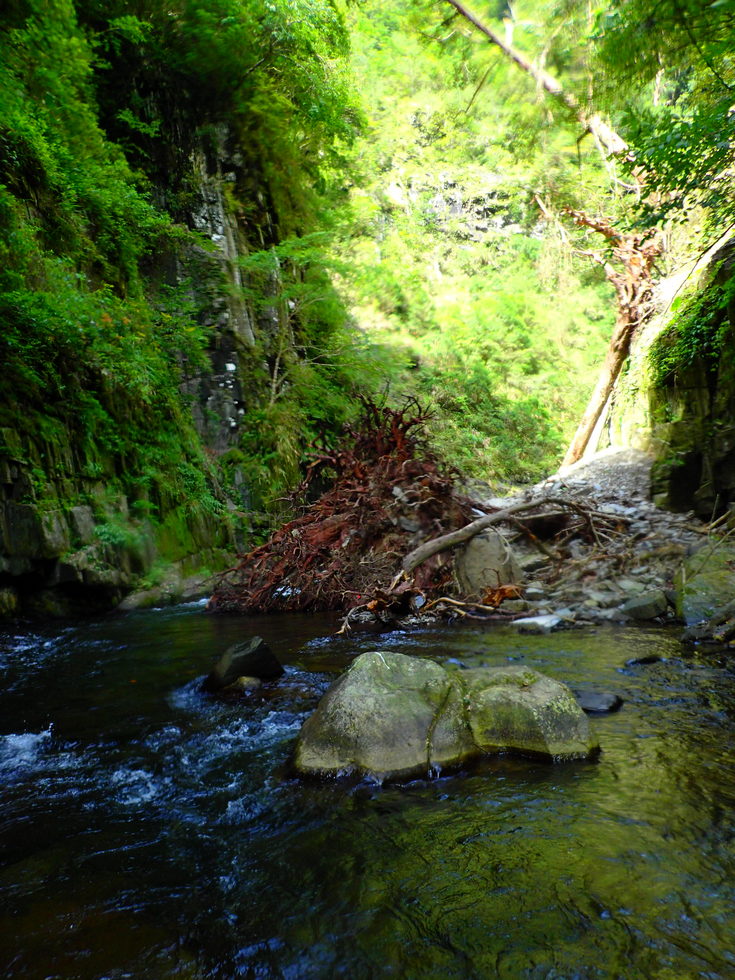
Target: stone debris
(650, 605)
(627, 577)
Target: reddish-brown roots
(345, 550)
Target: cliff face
(156, 390)
(692, 399)
(72, 537)
(677, 398)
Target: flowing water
(147, 831)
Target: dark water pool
(148, 832)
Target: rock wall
(677, 397)
(59, 555)
(693, 413)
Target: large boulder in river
(517, 709)
(392, 716)
(252, 659)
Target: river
(147, 831)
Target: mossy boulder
(390, 716)
(519, 710)
(706, 582)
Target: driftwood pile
(383, 537)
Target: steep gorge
(172, 340)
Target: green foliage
(451, 266)
(310, 400)
(429, 229)
(269, 77)
(487, 434)
(102, 106)
(681, 62)
(116, 534)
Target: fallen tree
(383, 537)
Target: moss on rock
(391, 716)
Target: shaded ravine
(148, 831)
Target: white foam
(20, 753)
(134, 786)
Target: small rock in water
(646, 606)
(253, 659)
(595, 703)
(612, 616)
(643, 661)
(538, 624)
(241, 684)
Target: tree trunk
(429, 548)
(636, 252)
(617, 352)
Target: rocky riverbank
(634, 574)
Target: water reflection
(150, 832)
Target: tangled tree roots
(346, 550)
(383, 538)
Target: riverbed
(148, 831)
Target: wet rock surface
(242, 667)
(598, 702)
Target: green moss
(174, 536)
(697, 333)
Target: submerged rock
(598, 703)
(251, 660)
(392, 716)
(643, 661)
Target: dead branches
(451, 540)
(382, 541)
(635, 254)
(592, 523)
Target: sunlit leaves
(672, 71)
